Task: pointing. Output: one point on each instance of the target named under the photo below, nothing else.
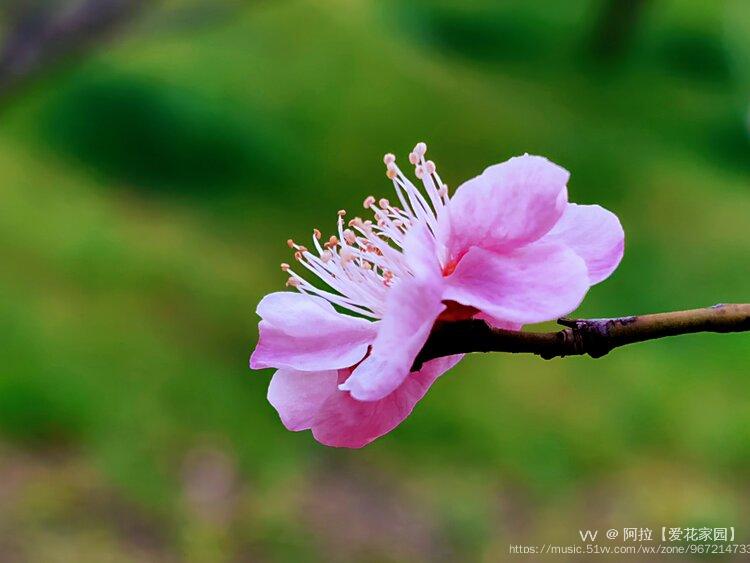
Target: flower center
(365, 258)
(450, 267)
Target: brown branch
(595, 337)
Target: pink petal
(299, 395)
(508, 205)
(412, 306)
(421, 253)
(535, 283)
(498, 323)
(306, 333)
(347, 423)
(595, 234)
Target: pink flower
(507, 248)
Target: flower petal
(347, 423)
(412, 306)
(299, 395)
(535, 283)
(595, 234)
(498, 323)
(306, 333)
(421, 253)
(508, 205)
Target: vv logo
(588, 535)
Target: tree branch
(595, 337)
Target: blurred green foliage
(149, 186)
(140, 134)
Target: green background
(148, 186)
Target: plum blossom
(507, 248)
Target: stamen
(420, 209)
(391, 171)
(364, 258)
(346, 255)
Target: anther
(341, 212)
(333, 241)
(292, 282)
(290, 243)
(298, 256)
(285, 267)
(384, 203)
(317, 234)
(420, 149)
(391, 171)
(429, 167)
(349, 236)
(389, 159)
(419, 172)
(413, 158)
(369, 200)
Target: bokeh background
(155, 157)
